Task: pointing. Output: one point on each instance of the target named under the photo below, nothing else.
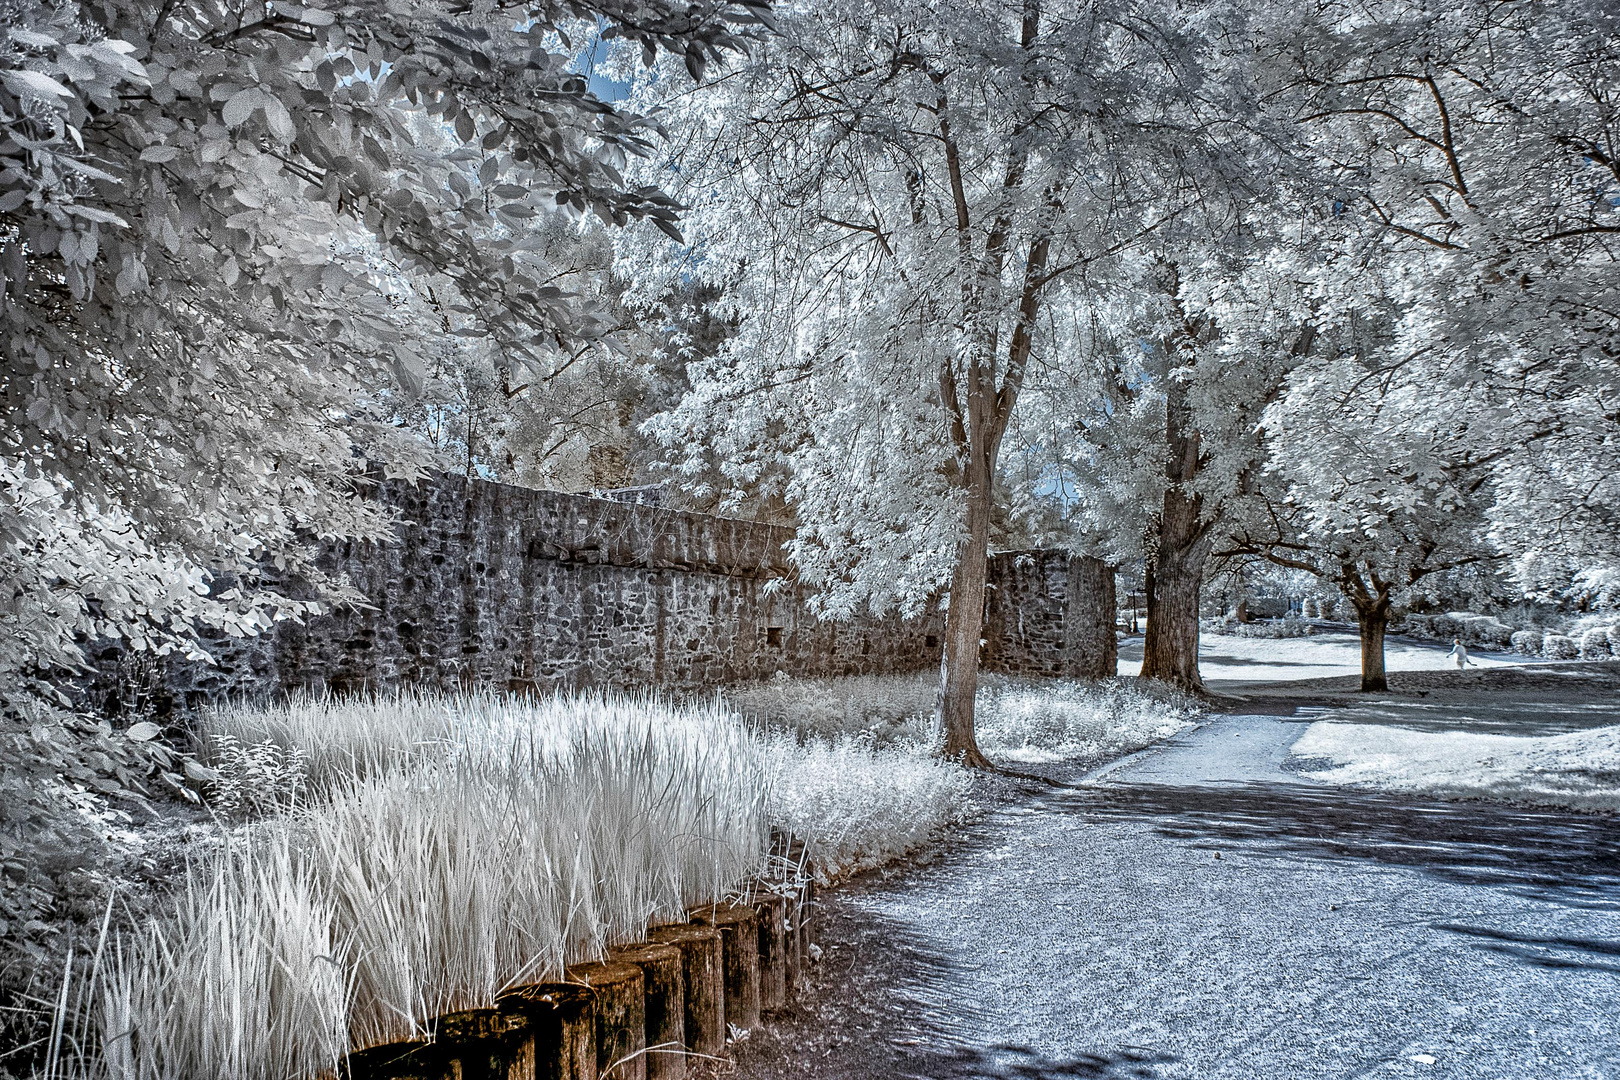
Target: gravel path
(1197, 911)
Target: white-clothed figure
(1460, 652)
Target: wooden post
(703, 969)
(562, 1017)
(771, 908)
(661, 972)
(739, 938)
(795, 946)
(485, 1044)
(413, 1059)
(477, 1044)
(621, 1017)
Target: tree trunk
(964, 624)
(1170, 650)
(1175, 571)
(1372, 617)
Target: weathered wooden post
(739, 939)
(771, 908)
(411, 1059)
(476, 1044)
(794, 946)
(562, 1017)
(621, 1017)
(662, 973)
(703, 969)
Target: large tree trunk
(964, 623)
(1372, 616)
(1170, 649)
(1176, 569)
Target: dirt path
(1199, 912)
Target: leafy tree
(205, 211)
(1371, 485)
(894, 198)
(1474, 144)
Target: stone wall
(498, 586)
(1050, 614)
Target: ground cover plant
(1025, 720)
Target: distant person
(1460, 651)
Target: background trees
(1475, 146)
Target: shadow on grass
(1566, 858)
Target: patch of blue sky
(593, 55)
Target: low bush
(1559, 647)
(1289, 626)
(884, 709)
(1595, 644)
(862, 806)
(1016, 719)
(1527, 642)
(1077, 721)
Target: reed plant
(475, 844)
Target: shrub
(886, 709)
(1023, 719)
(1614, 639)
(1444, 626)
(1482, 629)
(1559, 647)
(1595, 644)
(251, 780)
(1076, 721)
(1527, 642)
(862, 806)
(1290, 626)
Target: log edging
(616, 1018)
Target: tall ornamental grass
(496, 842)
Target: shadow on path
(1587, 954)
(1022, 1063)
(1548, 855)
(887, 1006)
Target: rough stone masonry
(490, 585)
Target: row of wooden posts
(642, 1013)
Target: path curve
(1197, 911)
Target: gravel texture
(1199, 911)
